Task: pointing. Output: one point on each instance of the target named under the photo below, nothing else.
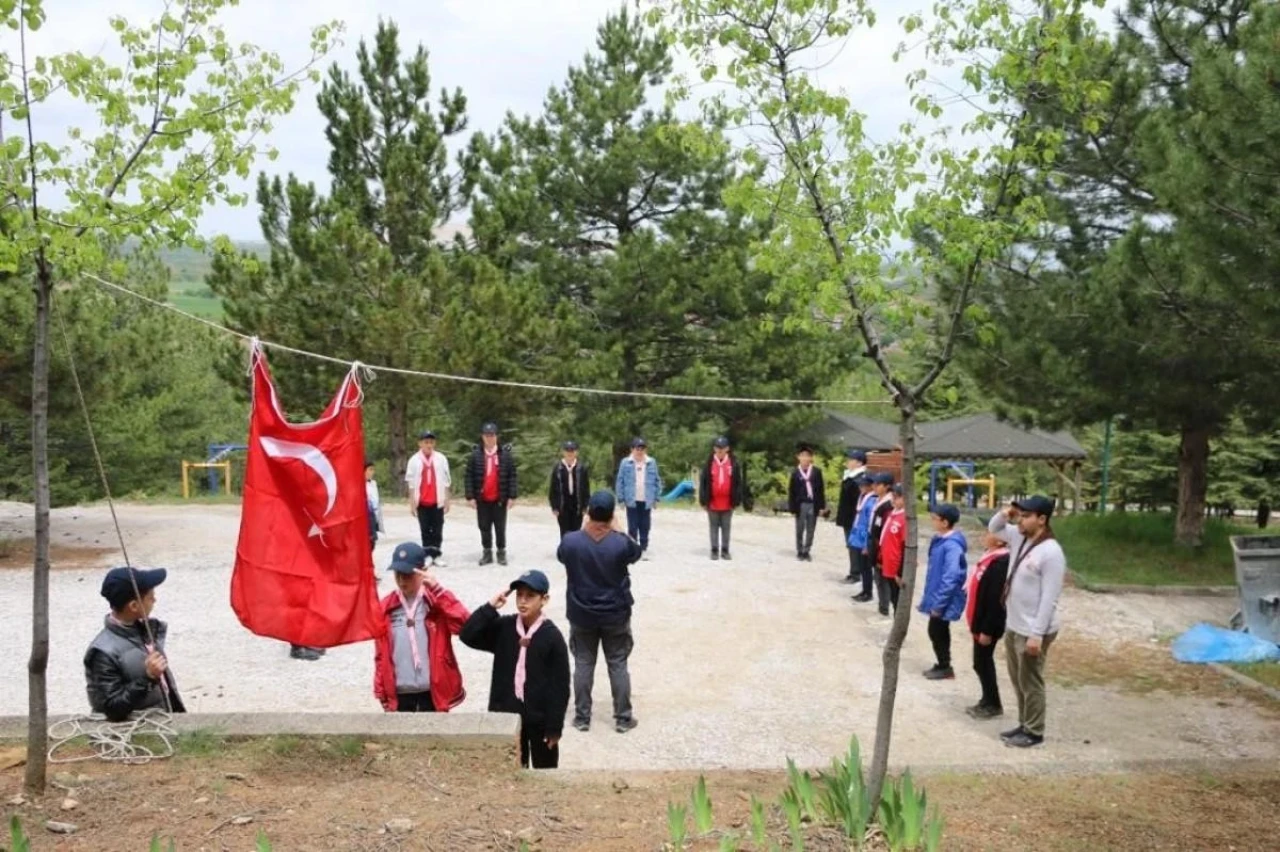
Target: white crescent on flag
(311, 457)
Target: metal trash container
(1257, 559)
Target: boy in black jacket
(807, 499)
(986, 613)
(855, 466)
(530, 666)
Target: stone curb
(1246, 680)
(1164, 591)
(464, 730)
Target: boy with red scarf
(986, 615)
(530, 666)
(893, 541)
(414, 669)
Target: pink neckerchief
(526, 636)
(570, 468)
(150, 648)
(723, 468)
(410, 623)
(805, 474)
(428, 467)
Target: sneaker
(862, 597)
(982, 712)
(806, 558)
(715, 555)
(1024, 740)
(884, 611)
(1013, 732)
(849, 580)
(438, 562)
(486, 558)
(502, 557)
(724, 554)
(940, 673)
(624, 725)
(299, 652)
(583, 725)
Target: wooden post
(226, 470)
(1075, 506)
(186, 484)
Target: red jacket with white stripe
(445, 617)
(893, 539)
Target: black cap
(639, 443)
(489, 429)
(1035, 505)
(569, 445)
(947, 512)
(721, 442)
(408, 558)
(534, 581)
(883, 478)
(897, 490)
(601, 505)
(368, 462)
(426, 435)
(118, 589)
(851, 453)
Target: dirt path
(737, 665)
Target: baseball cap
(862, 479)
(883, 478)
(118, 589)
(489, 429)
(1037, 504)
(638, 443)
(851, 453)
(569, 445)
(408, 557)
(897, 489)
(721, 441)
(600, 506)
(534, 581)
(946, 511)
(426, 435)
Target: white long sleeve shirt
(1037, 581)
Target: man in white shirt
(428, 480)
(1037, 572)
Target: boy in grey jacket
(1037, 571)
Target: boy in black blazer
(806, 499)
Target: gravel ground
(737, 665)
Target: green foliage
(904, 820)
(18, 840)
(703, 820)
(845, 800)
(759, 824)
(157, 846)
(1137, 548)
(677, 824)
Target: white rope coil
(114, 741)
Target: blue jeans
(639, 518)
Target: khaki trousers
(1027, 674)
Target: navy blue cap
(489, 429)
(897, 489)
(637, 443)
(946, 511)
(883, 478)
(569, 445)
(1035, 505)
(862, 479)
(534, 581)
(721, 442)
(118, 589)
(601, 505)
(851, 453)
(408, 558)
(426, 434)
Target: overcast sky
(503, 53)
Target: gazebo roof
(976, 436)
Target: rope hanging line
(375, 368)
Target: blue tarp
(1205, 643)
(681, 489)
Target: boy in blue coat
(944, 594)
(858, 534)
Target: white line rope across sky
(473, 379)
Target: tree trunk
(902, 617)
(397, 433)
(1193, 484)
(37, 698)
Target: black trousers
(863, 570)
(894, 591)
(534, 753)
(492, 518)
(570, 520)
(984, 664)
(414, 702)
(940, 636)
(431, 525)
(887, 592)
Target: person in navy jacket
(944, 594)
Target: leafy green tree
(1153, 296)
(645, 269)
(177, 117)
(362, 269)
(841, 202)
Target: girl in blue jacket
(944, 594)
(858, 535)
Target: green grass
(1137, 549)
(201, 306)
(1266, 673)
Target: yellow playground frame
(989, 483)
(224, 466)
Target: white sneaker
(438, 562)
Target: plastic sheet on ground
(1207, 643)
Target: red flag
(304, 571)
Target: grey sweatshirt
(1037, 584)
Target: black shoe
(807, 558)
(940, 673)
(624, 725)
(1024, 740)
(724, 554)
(862, 597)
(884, 612)
(583, 725)
(299, 652)
(849, 580)
(1013, 732)
(715, 555)
(502, 557)
(982, 712)
(486, 558)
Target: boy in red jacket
(986, 614)
(414, 669)
(893, 540)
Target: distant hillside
(191, 266)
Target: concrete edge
(1244, 679)
(474, 730)
(1167, 591)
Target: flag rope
(375, 368)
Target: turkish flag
(304, 571)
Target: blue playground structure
(962, 469)
(218, 452)
(682, 489)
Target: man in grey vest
(125, 667)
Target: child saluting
(530, 666)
